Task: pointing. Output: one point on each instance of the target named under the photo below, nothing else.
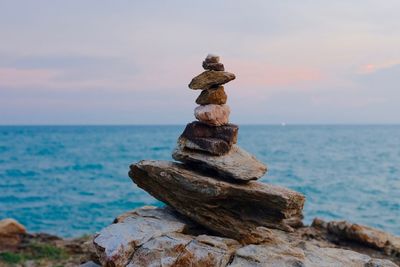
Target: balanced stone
(216, 140)
(211, 58)
(239, 211)
(237, 164)
(213, 146)
(213, 66)
(212, 96)
(216, 115)
(210, 78)
(196, 129)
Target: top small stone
(212, 58)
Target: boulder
(215, 115)
(210, 78)
(212, 96)
(11, 233)
(238, 211)
(11, 227)
(116, 243)
(237, 164)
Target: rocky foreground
(152, 236)
(161, 237)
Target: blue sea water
(72, 180)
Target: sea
(73, 180)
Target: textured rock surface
(237, 164)
(116, 243)
(215, 115)
(10, 233)
(196, 129)
(192, 249)
(362, 234)
(210, 78)
(207, 145)
(212, 96)
(11, 227)
(211, 58)
(213, 66)
(216, 140)
(239, 211)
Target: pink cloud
(11, 77)
(259, 74)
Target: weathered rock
(215, 115)
(211, 58)
(185, 250)
(210, 78)
(269, 254)
(213, 66)
(208, 145)
(176, 249)
(10, 233)
(196, 129)
(365, 235)
(116, 243)
(212, 96)
(11, 227)
(237, 164)
(282, 254)
(239, 211)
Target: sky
(129, 62)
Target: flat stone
(212, 96)
(238, 211)
(208, 145)
(210, 78)
(237, 164)
(215, 115)
(116, 243)
(196, 129)
(213, 66)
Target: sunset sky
(129, 62)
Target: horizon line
(180, 124)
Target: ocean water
(72, 180)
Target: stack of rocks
(216, 213)
(213, 186)
(210, 142)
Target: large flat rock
(210, 78)
(237, 164)
(240, 211)
(174, 247)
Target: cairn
(213, 186)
